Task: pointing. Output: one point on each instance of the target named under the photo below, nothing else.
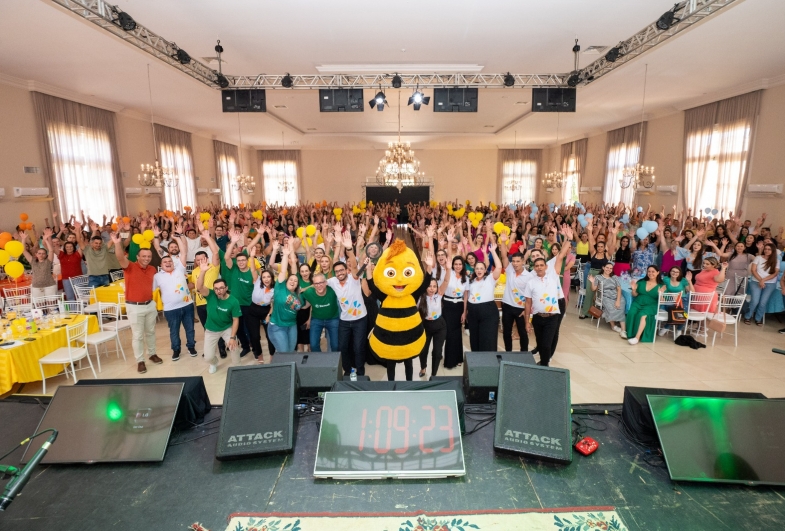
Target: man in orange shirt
(139, 301)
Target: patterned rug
(563, 519)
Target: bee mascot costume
(398, 282)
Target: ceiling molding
(758, 84)
(36, 86)
(395, 133)
(398, 68)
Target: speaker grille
(258, 411)
(317, 371)
(533, 412)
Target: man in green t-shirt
(325, 313)
(223, 318)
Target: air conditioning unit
(2, 193)
(215, 191)
(31, 192)
(596, 188)
(133, 191)
(765, 189)
(669, 189)
(202, 191)
(153, 190)
(585, 189)
(644, 191)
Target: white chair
(71, 308)
(87, 296)
(20, 303)
(698, 311)
(598, 298)
(119, 321)
(80, 280)
(106, 310)
(722, 286)
(581, 290)
(75, 350)
(2, 303)
(17, 292)
(667, 299)
(729, 312)
(741, 285)
(116, 275)
(47, 303)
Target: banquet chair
(107, 310)
(729, 312)
(75, 350)
(17, 292)
(120, 320)
(722, 286)
(87, 295)
(47, 303)
(598, 299)
(668, 300)
(79, 281)
(581, 289)
(71, 307)
(19, 303)
(116, 275)
(741, 285)
(698, 311)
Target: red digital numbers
(424, 449)
(361, 446)
(388, 410)
(448, 429)
(398, 419)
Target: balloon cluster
(500, 228)
(338, 213)
(143, 240)
(24, 226)
(10, 251)
(475, 218)
(646, 228)
(711, 212)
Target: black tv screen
(109, 423)
(728, 440)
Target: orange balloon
(23, 216)
(126, 219)
(114, 227)
(242, 205)
(4, 235)
(118, 219)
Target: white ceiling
(739, 49)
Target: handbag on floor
(718, 325)
(595, 312)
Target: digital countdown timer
(390, 434)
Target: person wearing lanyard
(324, 313)
(430, 307)
(223, 318)
(513, 301)
(140, 307)
(483, 315)
(454, 309)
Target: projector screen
(109, 423)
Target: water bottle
(353, 375)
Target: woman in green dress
(640, 318)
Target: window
(618, 158)
(228, 170)
(280, 181)
(519, 181)
(178, 159)
(721, 178)
(572, 178)
(82, 168)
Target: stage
(191, 486)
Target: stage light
(287, 81)
(182, 56)
(574, 79)
(417, 99)
(221, 80)
(397, 81)
(378, 101)
(668, 19)
(613, 54)
(124, 20)
(509, 80)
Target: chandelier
(284, 184)
(156, 174)
(399, 167)
(555, 179)
(639, 175)
(242, 182)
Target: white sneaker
(616, 329)
(633, 341)
(623, 334)
(663, 332)
(213, 369)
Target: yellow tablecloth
(109, 293)
(20, 364)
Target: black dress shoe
(244, 352)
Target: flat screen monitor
(728, 440)
(109, 423)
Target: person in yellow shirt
(201, 261)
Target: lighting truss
(689, 12)
(101, 13)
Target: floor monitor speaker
(258, 411)
(533, 412)
(481, 373)
(318, 371)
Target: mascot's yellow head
(398, 272)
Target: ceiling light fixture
(399, 167)
(418, 98)
(639, 175)
(242, 182)
(575, 75)
(378, 101)
(509, 80)
(124, 20)
(284, 183)
(287, 81)
(397, 81)
(155, 174)
(181, 55)
(613, 54)
(668, 19)
(221, 80)
(555, 178)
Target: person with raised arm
(44, 282)
(287, 302)
(483, 316)
(223, 318)
(513, 301)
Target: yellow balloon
(478, 216)
(300, 232)
(4, 257)
(14, 269)
(148, 235)
(15, 248)
(475, 223)
(337, 211)
(138, 239)
(472, 216)
(144, 245)
(310, 230)
(204, 216)
(498, 227)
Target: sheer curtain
(280, 169)
(573, 157)
(82, 168)
(518, 176)
(623, 148)
(226, 168)
(718, 140)
(176, 153)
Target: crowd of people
(302, 272)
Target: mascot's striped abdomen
(399, 333)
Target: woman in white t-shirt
(483, 315)
(454, 296)
(261, 306)
(765, 269)
(430, 307)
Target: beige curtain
(718, 140)
(282, 175)
(227, 166)
(622, 149)
(576, 151)
(81, 164)
(176, 152)
(518, 175)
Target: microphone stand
(21, 477)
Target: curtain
(718, 140)
(573, 157)
(176, 152)
(280, 170)
(566, 171)
(519, 172)
(81, 164)
(227, 163)
(623, 149)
